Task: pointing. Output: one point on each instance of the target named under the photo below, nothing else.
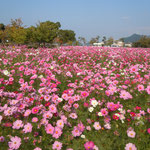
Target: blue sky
(88, 18)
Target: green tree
(104, 40)
(110, 41)
(2, 33)
(46, 32)
(31, 35)
(66, 36)
(15, 32)
(2, 27)
(94, 40)
(143, 42)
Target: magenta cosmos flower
(15, 142)
(148, 130)
(89, 145)
(35, 110)
(84, 94)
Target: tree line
(43, 33)
(143, 42)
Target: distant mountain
(132, 38)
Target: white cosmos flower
(6, 72)
(41, 76)
(51, 67)
(94, 103)
(91, 109)
(83, 136)
(99, 114)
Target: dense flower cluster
(74, 96)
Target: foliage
(44, 32)
(47, 31)
(94, 40)
(110, 41)
(66, 36)
(143, 42)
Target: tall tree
(66, 36)
(104, 39)
(110, 41)
(2, 33)
(2, 27)
(46, 32)
(16, 33)
(143, 42)
(94, 40)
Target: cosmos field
(74, 98)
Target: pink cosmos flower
(54, 98)
(107, 126)
(125, 95)
(76, 132)
(88, 128)
(69, 74)
(73, 116)
(27, 128)
(44, 121)
(131, 134)
(97, 126)
(57, 145)
(65, 96)
(84, 94)
(15, 142)
(89, 145)
(148, 89)
(148, 110)
(21, 68)
(133, 69)
(17, 124)
(107, 92)
(49, 129)
(81, 127)
(76, 97)
(47, 97)
(35, 110)
(52, 108)
(27, 112)
(104, 112)
(2, 139)
(37, 148)
(57, 132)
(75, 105)
(140, 88)
(34, 119)
(47, 114)
(130, 146)
(60, 124)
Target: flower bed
(74, 98)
